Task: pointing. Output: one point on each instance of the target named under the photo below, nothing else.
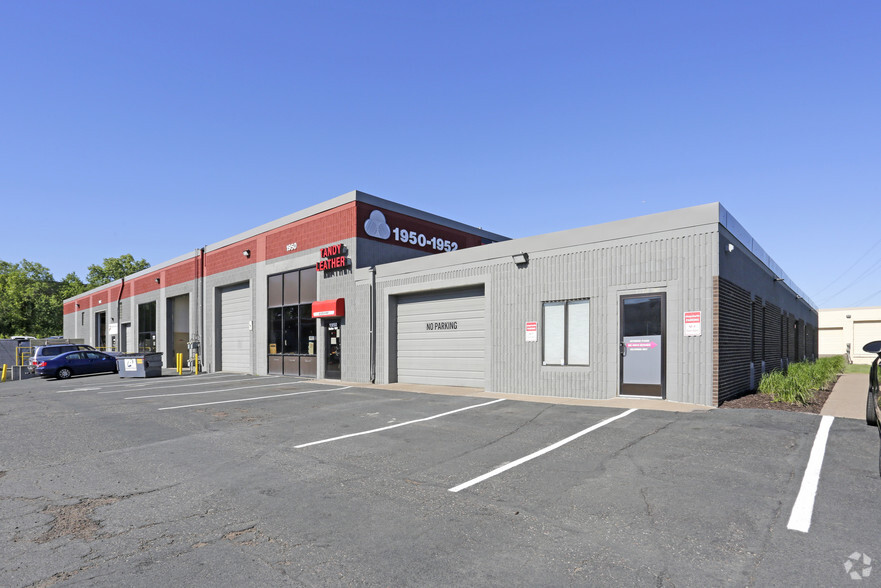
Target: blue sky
(154, 128)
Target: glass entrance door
(332, 336)
(642, 345)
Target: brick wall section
(181, 273)
(230, 257)
(733, 340)
(772, 337)
(319, 229)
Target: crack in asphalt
(494, 441)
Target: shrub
(801, 380)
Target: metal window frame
(565, 334)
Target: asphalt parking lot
(245, 480)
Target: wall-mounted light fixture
(730, 247)
(521, 258)
(778, 279)
(77, 304)
(845, 316)
(156, 280)
(797, 297)
(246, 253)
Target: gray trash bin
(139, 365)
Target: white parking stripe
(254, 398)
(289, 383)
(803, 509)
(538, 453)
(103, 383)
(437, 416)
(201, 383)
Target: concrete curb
(618, 402)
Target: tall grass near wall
(799, 383)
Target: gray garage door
(441, 338)
(235, 334)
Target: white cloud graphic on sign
(375, 226)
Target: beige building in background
(840, 327)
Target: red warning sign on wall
(692, 323)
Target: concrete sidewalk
(617, 402)
(848, 398)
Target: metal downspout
(373, 324)
(119, 332)
(201, 306)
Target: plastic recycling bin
(139, 365)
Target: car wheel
(64, 373)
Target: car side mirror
(873, 347)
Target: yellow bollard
(3, 377)
(197, 364)
(180, 364)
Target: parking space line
(437, 416)
(538, 453)
(254, 398)
(76, 383)
(803, 508)
(202, 383)
(289, 383)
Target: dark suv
(43, 352)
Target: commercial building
(681, 305)
(845, 331)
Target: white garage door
(832, 341)
(865, 332)
(235, 335)
(441, 338)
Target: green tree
(71, 285)
(29, 302)
(114, 268)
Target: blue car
(76, 363)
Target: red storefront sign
(329, 308)
(334, 258)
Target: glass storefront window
(275, 331)
(147, 327)
(308, 341)
(308, 285)
(291, 328)
(291, 287)
(274, 291)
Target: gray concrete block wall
(680, 263)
